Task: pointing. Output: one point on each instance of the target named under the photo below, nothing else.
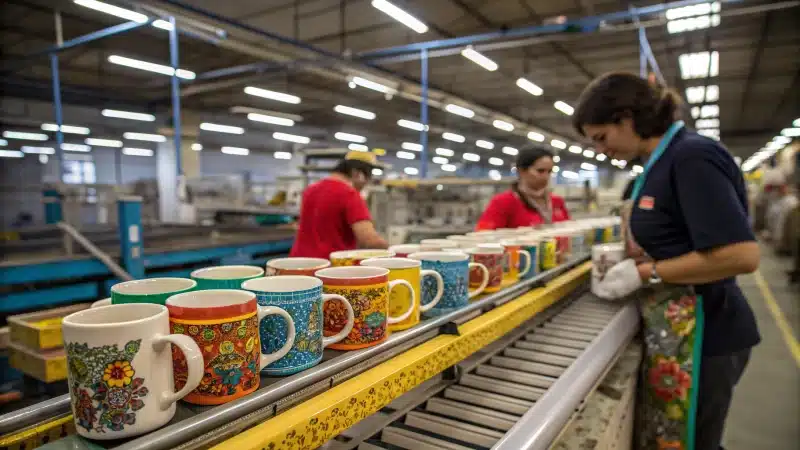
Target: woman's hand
(620, 281)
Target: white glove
(620, 281)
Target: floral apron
(672, 325)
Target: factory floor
(766, 406)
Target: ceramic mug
(399, 299)
(465, 242)
(148, 290)
(296, 266)
(119, 369)
(301, 296)
(354, 257)
(403, 250)
(435, 245)
(531, 245)
(367, 289)
(513, 267)
(604, 257)
(454, 268)
(225, 277)
(492, 257)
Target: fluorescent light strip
(510, 151)
(574, 149)
(70, 129)
(638, 169)
(479, 59)
(709, 132)
(399, 15)
(707, 123)
(238, 151)
(11, 154)
(564, 108)
(693, 23)
(350, 137)
(699, 65)
(377, 172)
(151, 67)
(445, 152)
(440, 160)
(411, 124)
(556, 158)
(76, 147)
(131, 151)
(484, 144)
(350, 111)
(503, 125)
(358, 147)
(790, 132)
(459, 110)
(122, 13)
(117, 114)
(454, 137)
(496, 161)
(369, 84)
(570, 175)
(97, 142)
(471, 157)
(534, 136)
(529, 86)
(25, 136)
(38, 150)
(411, 146)
(144, 137)
(208, 126)
(405, 155)
(162, 24)
(601, 157)
(588, 166)
(449, 168)
(495, 175)
(197, 147)
(272, 95)
(558, 144)
(3, 142)
(702, 94)
(588, 153)
(255, 117)
(291, 138)
(282, 155)
(411, 171)
(556, 169)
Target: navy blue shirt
(694, 199)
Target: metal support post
(423, 112)
(53, 212)
(175, 87)
(130, 235)
(59, 118)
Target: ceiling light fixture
(484, 144)
(574, 149)
(564, 108)
(272, 95)
(355, 112)
(117, 114)
(369, 84)
(601, 157)
(282, 121)
(479, 59)
(510, 151)
(638, 169)
(358, 147)
(588, 153)
(11, 154)
(70, 129)
(449, 168)
(350, 137)
(215, 127)
(459, 110)
(411, 124)
(534, 136)
(570, 175)
(97, 142)
(412, 146)
(151, 67)
(399, 15)
(445, 152)
(791, 132)
(495, 175)
(291, 138)
(197, 147)
(496, 161)
(377, 172)
(132, 151)
(702, 94)
(588, 166)
(529, 86)
(405, 155)
(25, 136)
(282, 155)
(709, 132)
(699, 65)
(144, 137)
(706, 123)
(454, 137)
(503, 125)
(411, 171)
(38, 150)
(122, 13)
(440, 160)
(238, 151)
(471, 157)
(75, 147)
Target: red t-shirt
(506, 210)
(329, 209)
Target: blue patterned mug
(454, 268)
(301, 296)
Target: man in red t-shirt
(333, 215)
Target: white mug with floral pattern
(119, 361)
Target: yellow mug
(354, 257)
(400, 298)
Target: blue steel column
(642, 58)
(130, 235)
(53, 212)
(59, 118)
(423, 112)
(176, 93)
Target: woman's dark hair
(347, 166)
(528, 156)
(618, 95)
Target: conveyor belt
(495, 391)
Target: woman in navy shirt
(689, 237)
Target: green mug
(225, 277)
(148, 290)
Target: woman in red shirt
(529, 202)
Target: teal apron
(672, 321)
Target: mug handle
(485, 281)
(439, 289)
(404, 316)
(268, 358)
(326, 341)
(194, 362)
(527, 266)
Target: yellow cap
(367, 157)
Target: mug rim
(340, 273)
(224, 305)
(191, 284)
(252, 285)
(489, 249)
(276, 263)
(394, 262)
(353, 254)
(74, 320)
(210, 270)
(438, 241)
(399, 246)
(437, 256)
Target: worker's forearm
(374, 242)
(706, 267)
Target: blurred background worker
(333, 215)
(529, 202)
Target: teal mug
(225, 277)
(148, 290)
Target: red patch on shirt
(647, 202)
